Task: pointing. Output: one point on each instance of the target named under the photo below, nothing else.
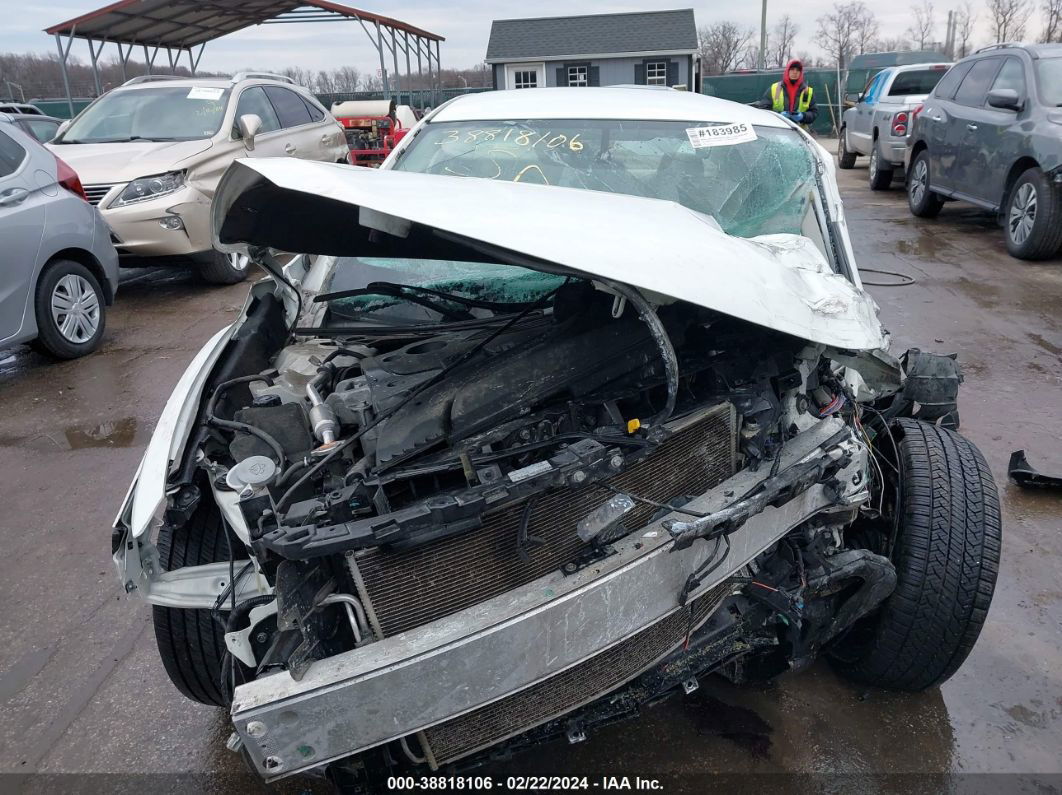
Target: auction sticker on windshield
(721, 135)
(205, 92)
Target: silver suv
(151, 153)
(877, 126)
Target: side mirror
(249, 125)
(1005, 98)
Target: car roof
(16, 117)
(17, 106)
(918, 67)
(612, 102)
(219, 82)
(1048, 50)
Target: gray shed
(640, 48)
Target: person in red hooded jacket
(791, 96)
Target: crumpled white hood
(778, 281)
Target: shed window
(656, 73)
(525, 78)
(578, 76)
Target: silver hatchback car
(60, 268)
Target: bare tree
(346, 78)
(921, 30)
(964, 27)
(1008, 18)
(722, 47)
(866, 28)
(848, 29)
(1052, 21)
(780, 41)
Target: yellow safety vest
(778, 98)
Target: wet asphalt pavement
(82, 690)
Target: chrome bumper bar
(409, 682)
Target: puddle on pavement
(740, 725)
(124, 432)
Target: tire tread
(947, 559)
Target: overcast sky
(466, 26)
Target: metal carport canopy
(183, 24)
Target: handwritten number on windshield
(522, 138)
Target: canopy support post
(438, 72)
(398, 75)
(383, 66)
(409, 70)
(195, 62)
(95, 56)
(63, 55)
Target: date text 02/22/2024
(521, 783)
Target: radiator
(570, 689)
(405, 589)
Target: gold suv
(150, 154)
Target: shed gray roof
(547, 37)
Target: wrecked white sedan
(489, 464)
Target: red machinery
(372, 127)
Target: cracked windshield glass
(753, 187)
(758, 182)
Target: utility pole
(762, 62)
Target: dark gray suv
(990, 134)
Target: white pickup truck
(878, 123)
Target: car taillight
(899, 123)
(68, 178)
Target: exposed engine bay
(350, 451)
(527, 485)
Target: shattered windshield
(759, 181)
(413, 291)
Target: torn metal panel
(781, 282)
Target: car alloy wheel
(239, 261)
(918, 181)
(1022, 213)
(75, 309)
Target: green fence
(416, 98)
(746, 88)
(60, 108)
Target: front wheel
(70, 310)
(880, 177)
(845, 158)
(191, 642)
(923, 202)
(218, 268)
(947, 537)
(1033, 220)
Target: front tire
(845, 158)
(924, 203)
(880, 178)
(1033, 217)
(946, 553)
(190, 642)
(216, 267)
(70, 309)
